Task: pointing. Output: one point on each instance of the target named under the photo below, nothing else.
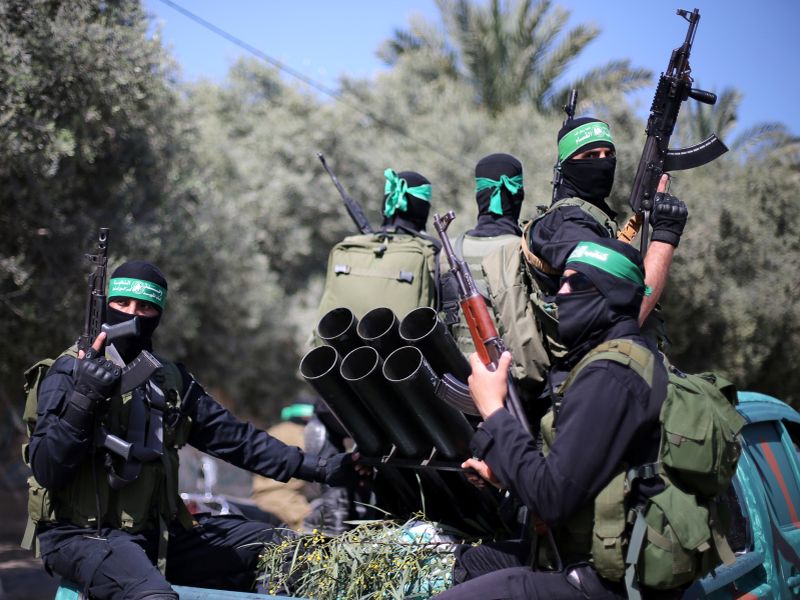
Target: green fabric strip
(512, 184)
(608, 260)
(297, 411)
(139, 289)
(396, 189)
(596, 131)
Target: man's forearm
(656, 268)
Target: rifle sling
(534, 260)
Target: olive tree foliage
(88, 140)
(731, 301)
(95, 134)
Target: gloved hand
(95, 380)
(668, 219)
(337, 470)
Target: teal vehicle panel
(767, 486)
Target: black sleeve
(604, 414)
(556, 234)
(56, 449)
(216, 431)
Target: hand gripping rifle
(674, 87)
(96, 294)
(488, 343)
(135, 373)
(143, 366)
(353, 207)
(569, 108)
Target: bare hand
(663, 183)
(489, 388)
(97, 346)
(482, 473)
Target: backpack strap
(534, 260)
(625, 352)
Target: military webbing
(406, 276)
(632, 227)
(628, 353)
(534, 260)
(634, 549)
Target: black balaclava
(589, 179)
(415, 215)
(494, 167)
(129, 347)
(617, 272)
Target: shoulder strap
(625, 352)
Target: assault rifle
(95, 314)
(488, 343)
(674, 87)
(569, 108)
(143, 366)
(353, 207)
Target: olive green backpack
(678, 535)
(392, 270)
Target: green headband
(297, 411)
(596, 131)
(512, 184)
(608, 260)
(396, 189)
(139, 289)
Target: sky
(739, 43)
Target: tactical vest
(397, 271)
(527, 319)
(676, 536)
(473, 250)
(148, 503)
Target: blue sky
(744, 44)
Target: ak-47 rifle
(95, 314)
(569, 108)
(488, 343)
(674, 87)
(143, 366)
(135, 373)
(353, 207)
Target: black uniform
(214, 554)
(608, 417)
(116, 559)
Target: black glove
(336, 470)
(95, 380)
(668, 219)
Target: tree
(96, 134)
(88, 140)
(508, 52)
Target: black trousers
(220, 552)
(496, 571)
